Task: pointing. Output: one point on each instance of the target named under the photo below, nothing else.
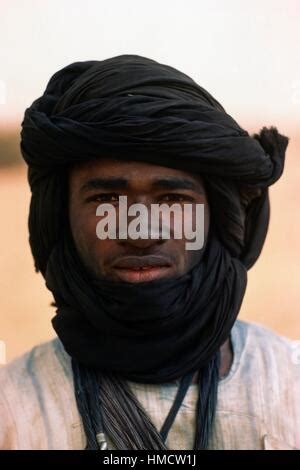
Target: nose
(152, 234)
(141, 243)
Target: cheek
(83, 227)
(94, 251)
(206, 219)
(196, 220)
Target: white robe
(258, 401)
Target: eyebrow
(175, 183)
(114, 183)
(104, 183)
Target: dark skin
(103, 181)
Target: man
(149, 353)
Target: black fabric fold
(149, 332)
(131, 107)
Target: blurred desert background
(248, 58)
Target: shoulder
(269, 366)
(263, 387)
(261, 341)
(41, 362)
(33, 389)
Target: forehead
(129, 169)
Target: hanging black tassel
(109, 407)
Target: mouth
(142, 268)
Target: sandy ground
(272, 297)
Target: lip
(141, 261)
(141, 268)
(141, 275)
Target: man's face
(132, 260)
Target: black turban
(133, 108)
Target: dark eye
(104, 197)
(173, 197)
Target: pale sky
(245, 54)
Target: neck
(226, 359)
